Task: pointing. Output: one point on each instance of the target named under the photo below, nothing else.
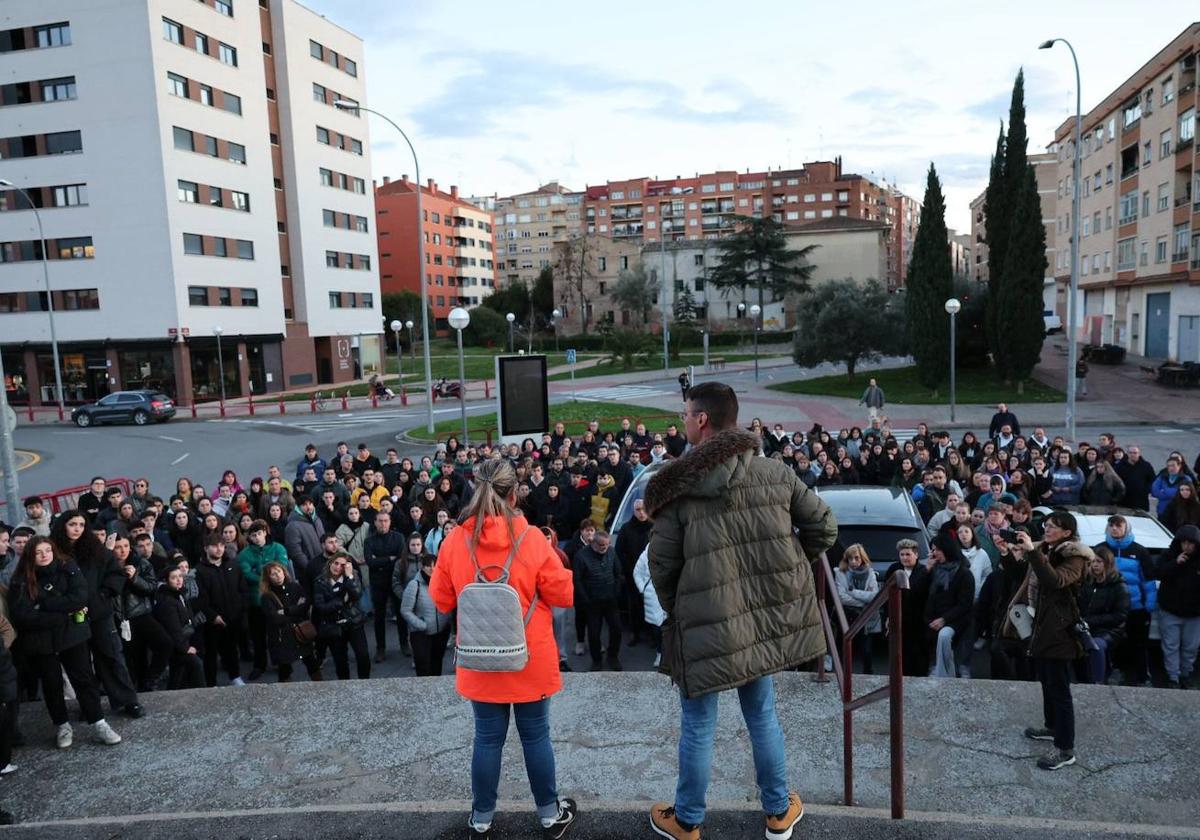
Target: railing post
(312, 403)
(346, 399)
(250, 404)
(896, 702)
(487, 389)
(403, 395)
(222, 407)
(847, 720)
(282, 405)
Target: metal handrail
(843, 667)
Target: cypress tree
(996, 234)
(1020, 301)
(929, 285)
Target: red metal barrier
(487, 389)
(346, 399)
(68, 497)
(250, 403)
(403, 395)
(282, 406)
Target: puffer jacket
(1180, 593)
(1065, 485)
(856, 599)
(1104, 605)
(597, 576)
(729, 557)
(45, 624)
(253, 559)
(418, 610)
(1106, 489)
(1137, 570)
(222, 591)
(652, 610)
(1052, 588)
(284, 608)
(138, 598)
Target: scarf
(858, 578)
(991, 530)
(943, 574)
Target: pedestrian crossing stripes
(328, 422)
(619, 393)
(902, 435)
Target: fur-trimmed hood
(687, 474)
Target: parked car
(139, 407)
(877, 517)
(637, 489)
(1093, 519)
(1052, 321)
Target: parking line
(180, 458)
(173, 440)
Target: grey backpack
(491, 629)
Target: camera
(1009, 535)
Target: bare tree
(635, 292)
(573, 270)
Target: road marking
(180, 458)
(627, 392)
(173, 440)
(1169, 431)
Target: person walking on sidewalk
(736, 583)
(1081, 372)
(872, 398)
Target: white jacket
(652, 610)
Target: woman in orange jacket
(491, 525)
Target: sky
(501, 97)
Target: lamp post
(49, 297)
(346, 105)
(459, 318)
(220, 361)
(755, 312)
(554, 316)
(412, 344)
(396, 325)
(662, 295)
(511, 344)
(952, 306)
(1072, 338)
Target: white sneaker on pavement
(65, 737)
(237, 681)
(8, 768)
(104, 733)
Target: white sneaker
(237, 681)
(579, 648)
(657, 659)
(65, 737)
(104, 733)
(8, 768)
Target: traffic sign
(570, 355)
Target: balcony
(1183, 199)
(1179, 257)
(708, 207)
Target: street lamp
(347, 105)
(1072, 338)
(459, 318)
(511, 344)
(952, 306)
(220, 361)
(554, 316)
(755, 311)
(49, 297)
(412, 344)
(396, 325)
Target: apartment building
(528, 226)
(460, 265)
(1045, 170)
(1139, 238)
(193, 179)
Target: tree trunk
(1021, 387)
(850, 365)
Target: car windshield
(879, 541)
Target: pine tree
(685, 307)
(757, 258)
(1020, 303)
(929, 285)
(995, 212)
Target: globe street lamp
(459, 318)
(755, 311)
(220, 361)
(49, 296)
(511, 345)
(348, 105)
(554, 316)
(396, 325)
(412, 344)
(1072, 339)
(952, 306)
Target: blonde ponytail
(495, 484)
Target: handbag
(1021, 616)
(1083, 635)
(305, 632)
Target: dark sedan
(877, 517)
(139, 407)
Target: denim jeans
(491, 729)
(1180, 641)
(943, 655)
(697, 726)
(1058, 709)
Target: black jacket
(912, 620)
(632, 539)
(952, 604)
(997, 593)
(171, 610)
(1138, 478)
(381, 551)
(105, 582)
(675, 445)
(45, 625)
(1179, 583)
(597, 577)
(1104, 606)
(222, 591)
(336, 601)
(138, 597)
(283, 608)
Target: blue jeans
(696, 729)
(1180, 642)
(491, 729)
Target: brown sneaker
(666, 824)
(779, 826)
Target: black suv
(140, 407)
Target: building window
(237, 153)
(225, 7)
(1164, 144)
(360, 186)
(184, 139)
(227, 54)
(224, 296)
(323, 135)
(360, 224)
(326, 177)
(57, 90)
(1164, 196)
(364, 262)
(193, 244)
(249, 297)
(172, 31)
(329, 218)
(316, 50)
(54, 35)
(1187, 126)
(350, 67)
(206, 95)
(356, 146)
(75, 299)
(241, 201)
(220, 249)
(215, 197)
(70, 196)
(1181, 243)
(1160, 249)
(177, 85)
(245, 249)
(335, 300)
(232, 104)
(332, 259)
(367, 300)
(201, 43)
(197, 296)
(189, 192)
(319, 93)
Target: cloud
(520, 163)
(891, 101)
(734, 103)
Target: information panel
(524, 402)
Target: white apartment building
(192, 177)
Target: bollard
(374, 400)
(433, 394)
(31, 413)
(193, 410)
(222, 404)
(487, 390)
(60, 414)
(346, 400)
(312, 403)
(403, 396)
(282, 405)
(250, 404)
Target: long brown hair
(27, 569)
(264, 583)
(495, 483)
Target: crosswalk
(902, 435)
(620, 393)
(332, 421)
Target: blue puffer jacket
(1065, 484)
(1133, 562)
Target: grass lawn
(900, 386)
(575, 415)
(655, 363)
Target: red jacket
(536, 568)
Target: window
(1164, 197)
(364, 262)
(360, 186)
(224, 296)
(56, 90)
(210, 146)
(188, 191)
(70, 196)
(201, 43)
(1168, 90)
(319, 93)
(270, 94)
(356, 146)
(326, 177)
(249, 297)
(1164, 143)
(232, 104)
(53, 35)
(316, 50)
(1160, 249)
(197, 296)
(828, 196)
(1147, 153)
(360, 224)
(74, 299)
(184, 139)
(206, 95)
(1181, 243)
(810, 214)
(224, 7)
(331, 259)
(75, 248)
(329, 218)
(1145, 204)
(240, 201)
(323, 135)
(172, 31)
(245, 249)
(350, 67)
(193, 244)
(237, 153)
(220, 249)
(227, 54)
(177, 85)
(1126, 254)
(335, 300)
(1143, 253)
(1187, 126)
